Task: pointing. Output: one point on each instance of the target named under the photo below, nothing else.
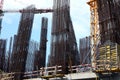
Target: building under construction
(9, 55)
(63, 44)
(103, 43)
(33, 47)
(109, 22)
(0, 23)
(2, 54)
(105, 37)
(40, 56)
(85, 51)
(22, 43)
(14, 44)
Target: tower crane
(23, 10)
(35, 11)
(95, 31)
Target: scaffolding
(104, 28)
(109, 21)
(63, 44)
(40, 56)
(109, 58)
(22, 43)
(3, 43)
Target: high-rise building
(33, 47)
(0, 24)
(2, 54)
(105, 21)
(9, 55)
(12, 52)
(19, 56)
(85, 51)
(64, 50)
(109, 20)
(40, 57)
(14, 43)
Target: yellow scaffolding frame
(109, 58)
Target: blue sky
(80, 15)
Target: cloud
(80, 15)
(11, 4)
(18, 4)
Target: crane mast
(95, 38)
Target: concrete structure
(40, 57)
(2, 54)
(109, 20)
(9, 55)
(0, 23)
(74, 76)
(105, 37)
(63, 44)
(14, 43)
(22, 44)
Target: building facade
(109, 20)
(19, 56)
(63, 44)
(40, 57)
(2, 54)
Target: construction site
(96, 58)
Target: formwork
(40, 56)
(105, 22)
(14, 44)
(63, 44)
(18, 59)
(9, 55)
(109, 58)
(109, 21)
(2, 54)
